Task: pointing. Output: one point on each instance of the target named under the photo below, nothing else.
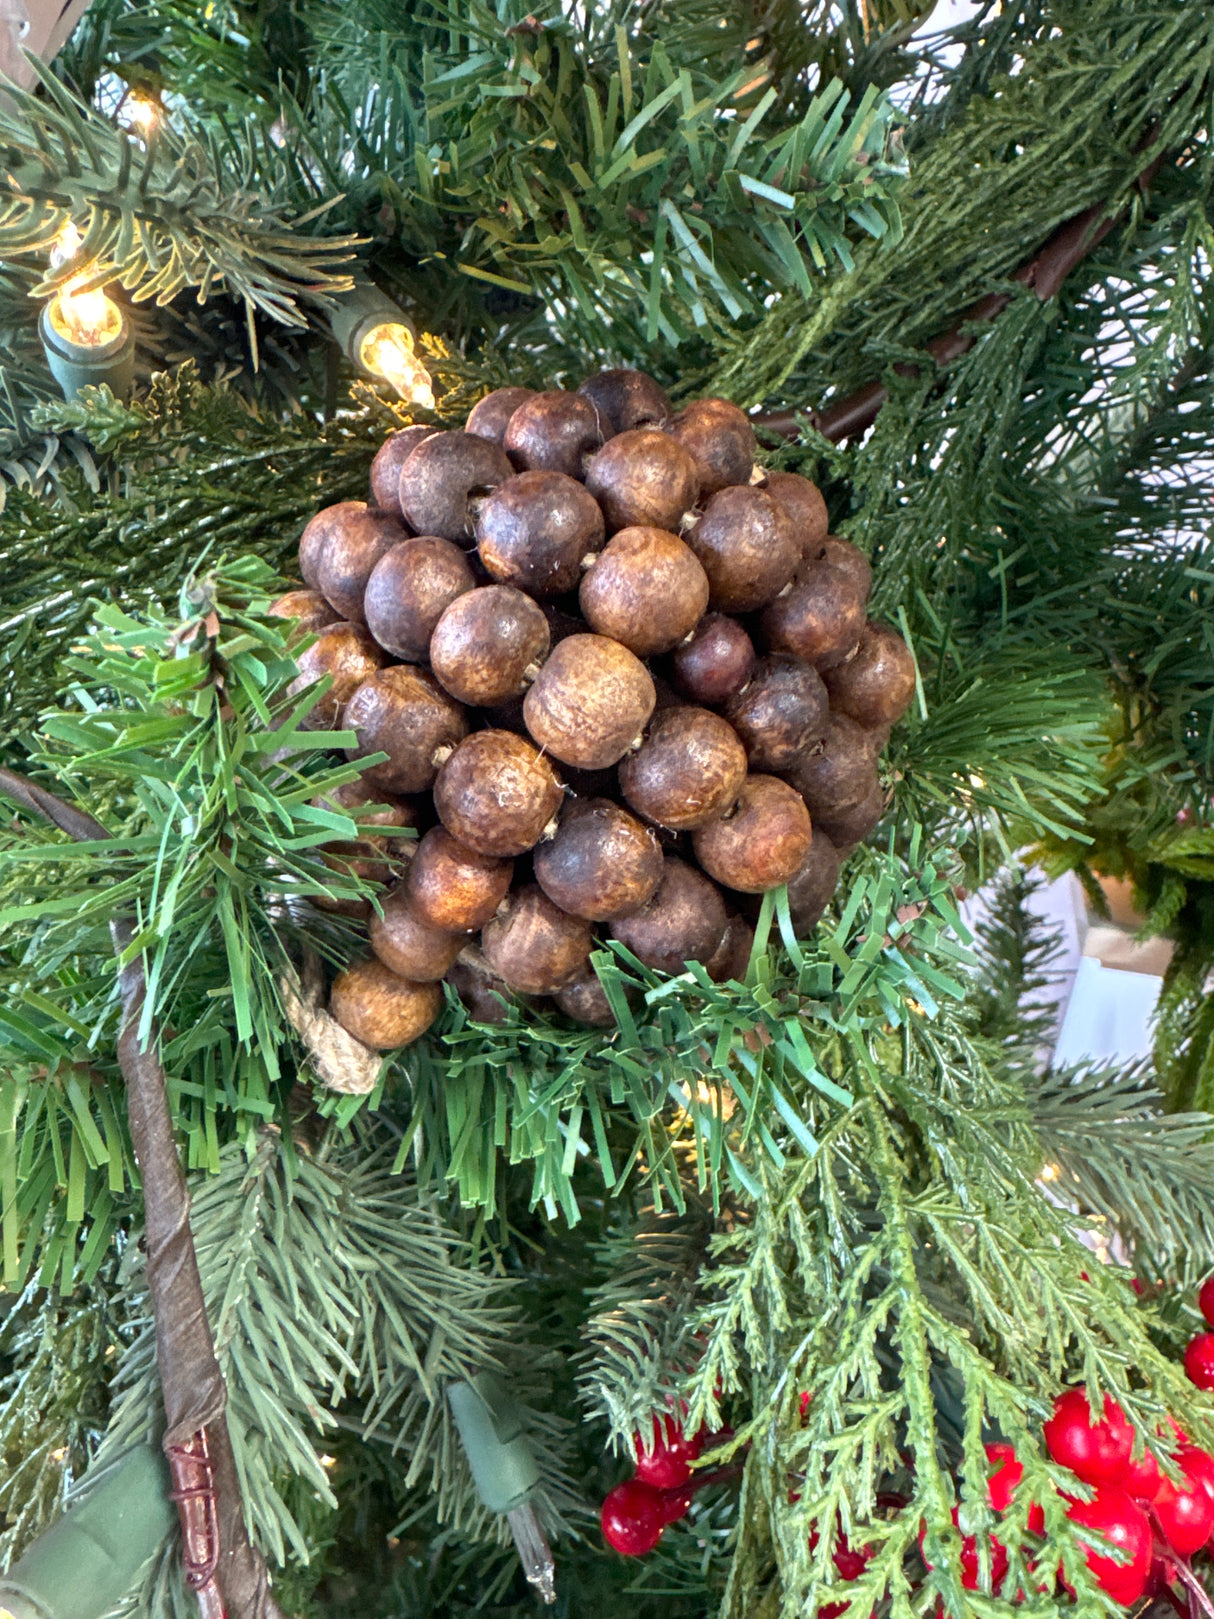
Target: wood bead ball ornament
(629, 675)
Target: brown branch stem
(1044, 273)
(196, 1440)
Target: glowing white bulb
(387, 351)
(143, 113)
(85, 317)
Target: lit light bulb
(387, 351)
(84, 317)
(142, 112)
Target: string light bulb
(143, 112)
(375, 335)
(87, 338)
(387, 351)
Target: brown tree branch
(222, 1565)
(1044, 273)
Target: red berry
(1099, 1452)
(666, 1461)
(1205, 1299)
(1003, 1481)
(1198, 1464)
(1199, 1360)
(1141, 1478)
(633, 1518)
(1125, 1525)
(676, 1503)
(1185, 1510)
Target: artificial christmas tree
(809, 1199)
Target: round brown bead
(490, 416)
(876, 687)
(308, 607)
(488, 645)
(802, 504)
(535, 531)
(600, 862)
(496, 794)
(848, 558)
(689, 769)
(847, 827)
(409, 590)
(683, 921)
(779, 713)
(533, 945)
(837, 773)
(407, 944)
(404, 712)
(445, 473)
(715, 663)
(644, 479)
(720, 440)
(553, 432)
(453, 887)
(760, 842)
(731, 957)
(353, 547)
(317, 533)
(584, 999)
(348, 655)
(389, 459)
(812, 884)
(380, 1009)
(746, 547)
(820, 619)
(589, 702)
(645, 590)
(626, 399)
(486, 997)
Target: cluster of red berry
(635, 1513)
(1199, 1356)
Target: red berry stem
(1196, 1590)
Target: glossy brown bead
(409, 945)
(443, 476)
(409, 590)
(453, 887)
(820, 619)
(490, 416)
(851, 825)
(308, 607)
(316, 535)
(876, 687)
(536, 530)
(554, 432)
(760, 842)
(720, 440)
(715, 663)
(589, 702)
(689, 769)
(497, 793)
(486, 997)
(601, 862)
(731, 958)
(802, 504)
(389, 459)
(683, 921)
(645, 590)
(780, 712)
(488, 645)
(404, 712)
(813, 883)
(533, 945)
(644, 479)
(746, 547)
(848, 558)
(381, 1009)
(348, 655)
(837, 773)
(626, 399)
(354, 546)
(584, 999)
